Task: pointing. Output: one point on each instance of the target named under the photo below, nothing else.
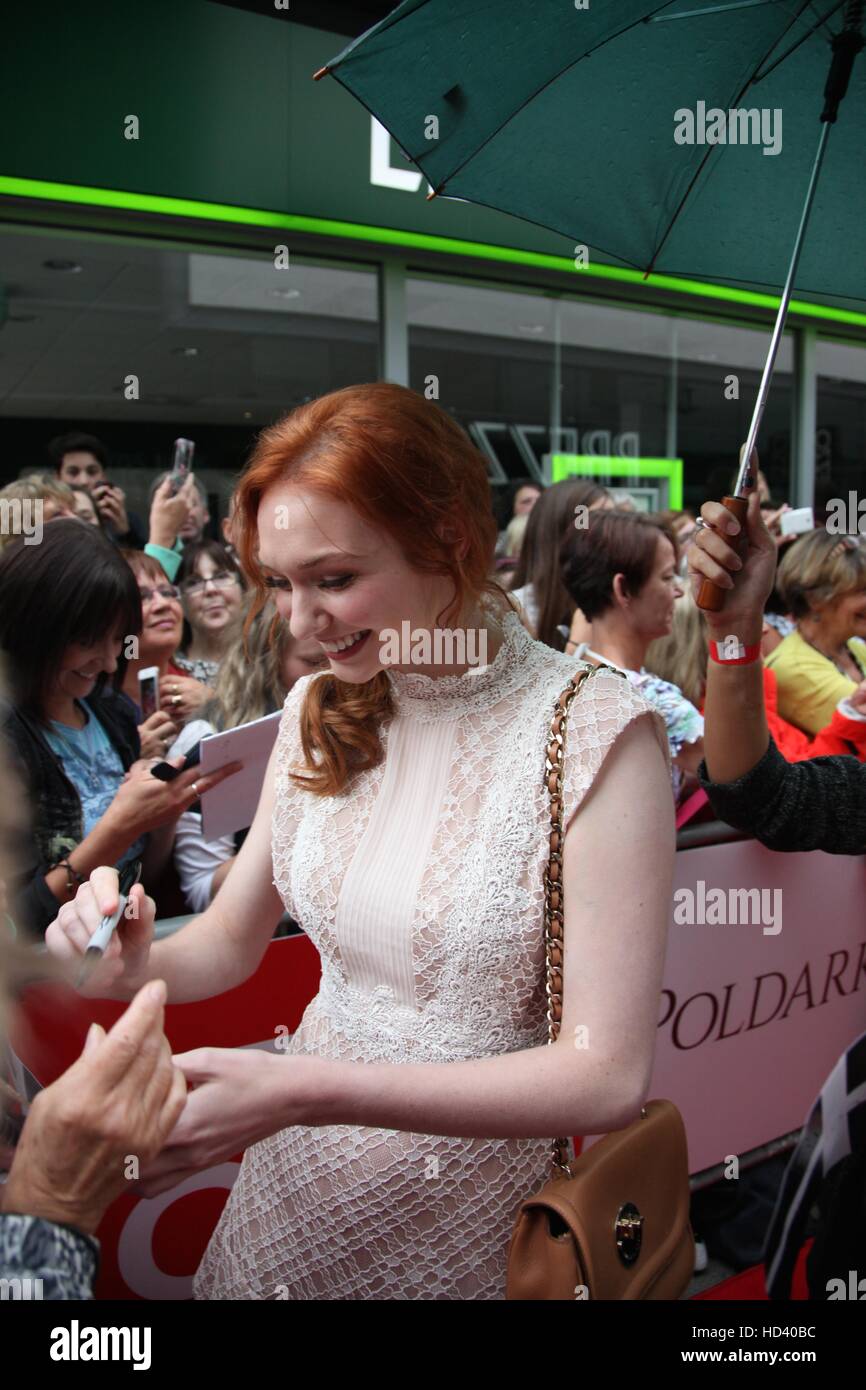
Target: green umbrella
(677, 138)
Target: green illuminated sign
(634, 470)
(300, 157)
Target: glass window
(138, 344)
(527, 372)
(840, 442)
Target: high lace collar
(434, 698)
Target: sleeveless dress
(422, 888)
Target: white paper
(232, 805)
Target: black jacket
(816, 804)
(56, 824)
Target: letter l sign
(382, 171)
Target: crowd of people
(577, 577)
(608, 584)
(98, 601)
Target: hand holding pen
(120, 941)
(102, 937)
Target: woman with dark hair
(622, 571)
(404, 823)
(211, 587)
(69, 609)
(537, 583)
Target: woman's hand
(241, 1096)
(142, 802)
(184, 696)
(168, 511)
(119, 1101)
(156, 734)
(711, 556)
(124, 961)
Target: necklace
(584, 650)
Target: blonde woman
(682, 655)
(404, 823)
(56, 499)
(260, 669)
(256, 674)
(822, 584)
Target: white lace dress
(422, 889)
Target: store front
(197, 237)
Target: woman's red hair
(406, 468)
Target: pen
(104, 932)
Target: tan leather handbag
(613, 1223)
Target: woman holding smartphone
(404, 823)
(180, 695)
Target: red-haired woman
(404, 823)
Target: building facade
(195, 237)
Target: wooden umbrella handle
(711, 597)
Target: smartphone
(167, 773)
(148, 691)
(181, 464)
(797, 521)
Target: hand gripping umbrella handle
(711, 597)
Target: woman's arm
(215, 952)
(224, 945)
(197, 861)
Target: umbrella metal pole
(744, 478)
(846, 45)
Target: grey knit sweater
(816, 804)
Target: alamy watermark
(846, 516)
(737, 126)
(441, 647)
(22, 1289)
(22, 516)
(702, 906)
(855, 1288)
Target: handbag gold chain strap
(553, 885)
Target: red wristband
(732, 652)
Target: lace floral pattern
(351, 1212)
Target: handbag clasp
(628, 1230)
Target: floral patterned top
(684, 723)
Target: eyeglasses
(164, 591)
(223, 579)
